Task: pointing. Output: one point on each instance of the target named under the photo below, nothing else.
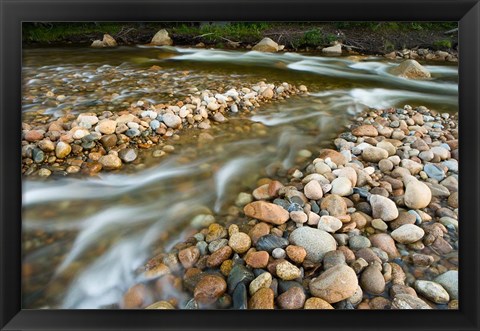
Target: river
(85, 239)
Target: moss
(444, 43)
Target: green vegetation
(398, 26)
(54, 32)
(214, 33)
(444, 43)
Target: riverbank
(371, 38)
(370, 224)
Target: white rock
(329, 224)
(417, 195)
(408, 233)
(383, 208)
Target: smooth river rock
(417, 195)
(335, 284)
(449, 281)
(267, 212)
(432, 291)
(408, 233)
(316, 242)
(383, 208)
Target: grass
(215, 33)
(52, 32)
(444, 43)
(398, 26)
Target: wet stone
(239, 274)
(269, 242)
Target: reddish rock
(267, 212)
(219, 256)
(296, 253)
(294, 298)
(365, 130)
(135, 297)
(209, 289)
(257, 259)
(189, 256)
(34, 135)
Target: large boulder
(108, 41)
(410, 69)
(333, 50)
(161, 38)
(266, 45)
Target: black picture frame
(13, 12)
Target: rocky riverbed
(92, 142)
(371, 223)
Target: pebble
(432, 291)
(379, 224)
(335, 284)
(334, 204)
(239, 297)
(358, 242)
(262, 299)
(383, 208)
(434, 171)
(110, 162)
(342, 186)
(279, 253)
(257, 259)
(219, 256)
(62, 150)
(313, 190)
(161, 305)
(317, 303)
(449, 281)
(372, 280)
(385, 243)
(333, 258)
(209, 289)
(264, 280)
(171, 120)
(417, 195)
(128, 155)
(315, 242)
(374, 154)
(239, 274)
(407, 301)
(267, 212)
(294, 298)
(287, 271)
(329, 224)
(408, 233)
(295, 253)
(106, 126)
(240, 242)
(269, 242)
(337, 157)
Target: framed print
(204, 165)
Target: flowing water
(85, 239)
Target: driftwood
(451, 31)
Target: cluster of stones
(423, 54)
(91, 142)
(367, 225)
